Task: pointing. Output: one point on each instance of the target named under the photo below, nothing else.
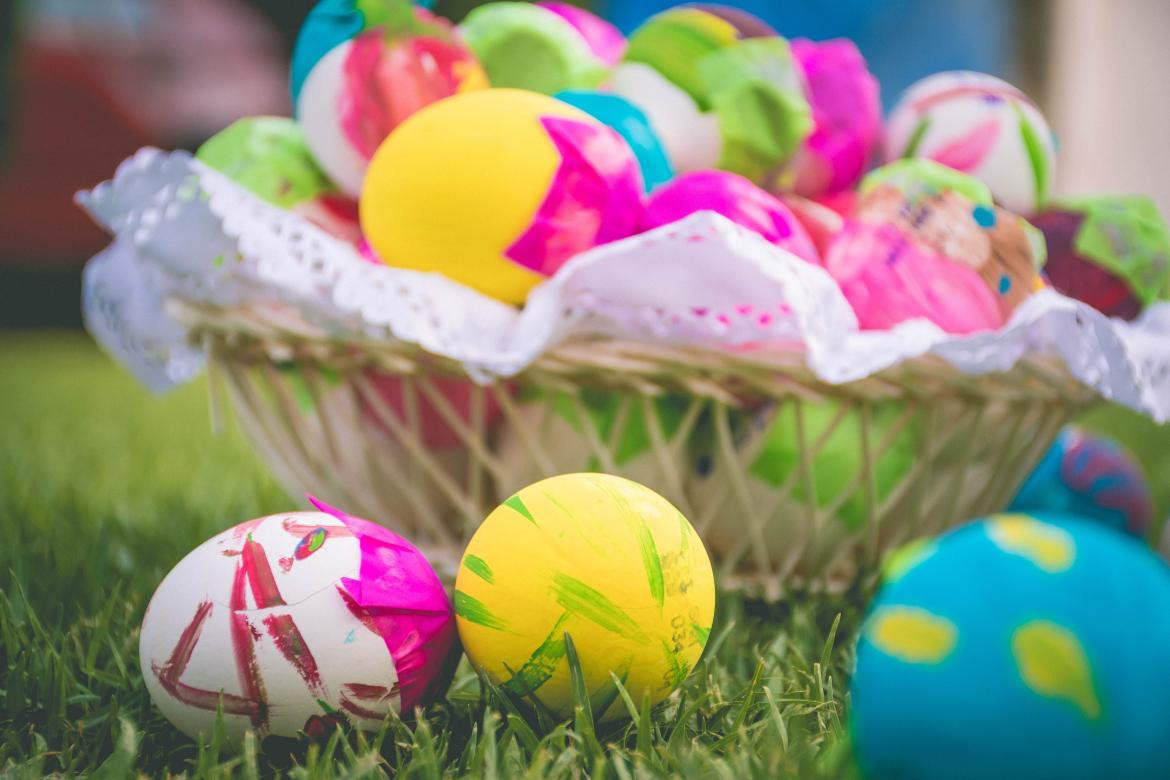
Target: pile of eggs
(495, 151)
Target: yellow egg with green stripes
(601, 559)
(1019, 646)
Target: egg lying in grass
(292, 619)
(544, 47)
(601, 559)
(1017, 647)
(1091, 477)
(497, 189)
(982, 126)
(360, 67)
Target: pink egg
(736, 198)
(605, 40)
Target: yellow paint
(1053, 663)
(1050, 548)
(606, 560)
(911, 634)
(905, 558)
(458, 182)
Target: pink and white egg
(292, 622)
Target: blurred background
(83, 83)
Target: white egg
(318, 111)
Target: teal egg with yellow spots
(1018, 646)
(596, 557)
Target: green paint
(918, 179)
(916, 137)
(675, 42)
(541, 665)
(593, 605)
(479, 567)
(678, 667)
(474, 611)
(1126, 235)
(701, 634)
(906, 558)
(1037, 155)
(685, 531)
(650, 561)
(515, 503)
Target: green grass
(103, 488)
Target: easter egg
(847, 116)
(821, 222)
(598, 558)
(982, 126)
(716, 97)
(632, 125)
(736, 198)
(1016, 647)
(267, 155)
(1091, 477)
(1113, 253)
(360, 67)
(542, 47)
(497, 189)
(768, 451)
(290, 620)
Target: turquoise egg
(632, 125)
(1092, 477)
(1018, 646)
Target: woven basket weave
(914, 449)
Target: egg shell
(632, 124)
(1092, 477)
(1110, 252)
(294, 618)
(605, 41)
(396, 59)
(602, 559)
(498, 189)
(532, 47)
(746, 25)
(1017, 646)
(766, 442)
(847, 116)
(819, 221)
(737, 199)
(982, 126)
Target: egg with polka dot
(1016, 646)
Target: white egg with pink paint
(293, 623)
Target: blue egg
(1091, 477)
(330, 24)
(1018, 646)
(632, 125)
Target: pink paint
(407, 603)
(291, 644)
(254, 564)
(244, 637)
(286, 564)
(820, 222)
(736, 198)
(388, 80)
(355, 696)
(605, 41)
(967, 152)
(594, 197)
(847, 121)
(888, 278)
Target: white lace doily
(182, 229)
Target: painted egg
(598, 558)
(768, 451)
(632, 125)
(267, 155)
(847, 116)
(982, 126)
(497, 189)
(736, 198)
(717, 98)
(1113, 253)
(292, 621)
(1016, 647)
(1091, 477)
(821, 222)
(542, 47)
(360, 67)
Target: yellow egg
(497, 189)
(603, 559)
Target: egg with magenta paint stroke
(295, 621)
(360, 67)
(597, 558)
(981, 126)
(1017, 646)
(498, 189)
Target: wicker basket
(792, 482)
